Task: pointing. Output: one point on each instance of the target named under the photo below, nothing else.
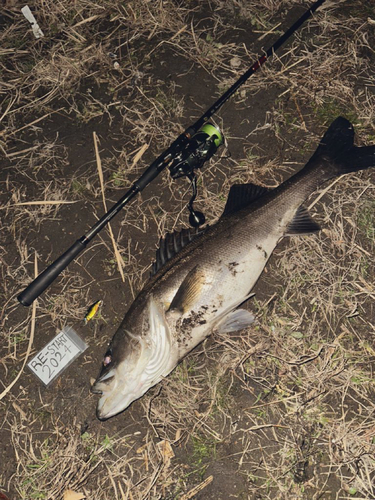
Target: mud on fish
(201, 277)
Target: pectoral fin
(190, 290)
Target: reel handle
(196, 218)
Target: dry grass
(283, 410)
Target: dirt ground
(282, 410)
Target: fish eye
(107, 358)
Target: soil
(67, 403)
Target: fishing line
(188, 152)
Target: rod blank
(36, 287)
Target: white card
(57, 355)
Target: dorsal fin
(241, 195)
(171, 244)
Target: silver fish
(200, 279)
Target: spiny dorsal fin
(302, 223)
(241, 195)
(171, 244)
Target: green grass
(331, 109)
(204, 452)
(366, 221)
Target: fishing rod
(197, 144)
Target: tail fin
(337, 145)
(359, 159)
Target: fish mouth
(95, 390)
(116, 396)
(102, 382)
(103, 414)
(101, 417)
(101, 385)
(129, 379)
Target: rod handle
(41, 282)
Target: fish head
(134, 362)
(120, 380)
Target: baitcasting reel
(201, 147)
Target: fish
(201, 277)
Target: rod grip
(41, 282)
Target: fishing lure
(92, 310)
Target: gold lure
(92, 310)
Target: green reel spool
(213, 133)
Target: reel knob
(196, 219)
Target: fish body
(200, 279)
